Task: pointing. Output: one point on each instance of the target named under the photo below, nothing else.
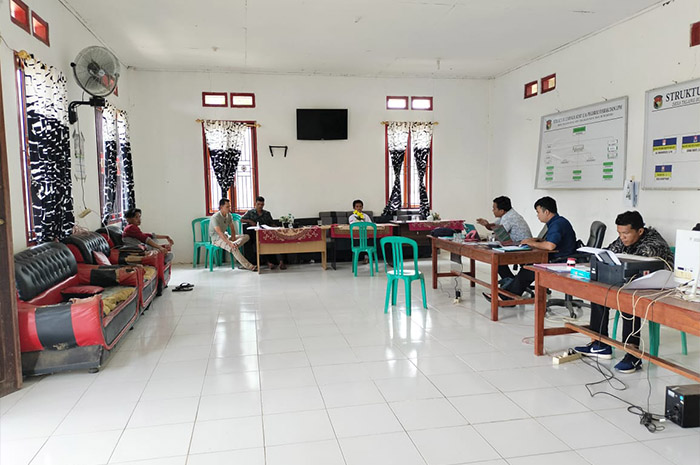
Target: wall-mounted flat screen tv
(315, 124)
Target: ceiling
(431, 38)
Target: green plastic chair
(203, 239)
(401, 273)
(360, 228)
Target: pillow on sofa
(100, 258)
(80, 292)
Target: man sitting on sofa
(133, 232)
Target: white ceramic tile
(363, 420)
(484, 408)
(461, 384)
(291, 428)
(152, 442)
(78, 449)
(226, 365)
(445, 446)
(515, 380)
(441, 365)
(598, 431)
(333, 356)
(277, 346)
(20, 424)
(380, 449)
(344, 373)
(517, 438)
(544, 402)
(681, 451)
(230, 383)
(391, 369)
(635, 453)
(283, 361)
(308, 453)
(349, 394)
(163, 461)
(287, 378)
(92, 417)
(227, 434)
(557, 458)
(19, 451)
(629, 423)
(232, 405)
(244, 456)
(377, 353)
(178, 370)
(398, 389)
(427, 413)
(292, 400)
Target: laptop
(468, 227)
(502, 235)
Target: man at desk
(634, 239)
(560, 239)
(260, 216)
(513, 223)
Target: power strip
(565, 357)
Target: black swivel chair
(595, 239)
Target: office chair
(595, 239)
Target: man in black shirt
(259, 217)
(634, 239)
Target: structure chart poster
(584, 148)
(672, 137)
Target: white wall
(316, 175)
(67, 38)
(645, 52)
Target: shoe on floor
(283, 266)
(595, 349)
(486, 296)
(504, 282)
(629, 364)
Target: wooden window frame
(23, 6)
(38, 19)
(407, 164)
(430, 99)
(30, 235)
(397, 97)
(205, 104)
(544, 83)
(528, 89)
(242, 94)
(211, 209)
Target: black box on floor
(683, 405)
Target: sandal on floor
(182, 287)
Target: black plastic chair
(595, 239)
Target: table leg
(257, 252)
(435, 265)
(323, 261)
(494, 290)
(540, 310)
(472, 271)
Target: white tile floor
(303, 367)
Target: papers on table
(661, 279)
(512, 248)
(262, 226)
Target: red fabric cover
(86, 315)
(53, 295)
(76, 253)
(339, 231)
(134, 231)
(279, 236)
(108, 239)
(100, 258)
(81, 291)
(430, 225)
(26, 321)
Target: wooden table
(419, 231)
(669, 311)
(481, 253)
(292, 240)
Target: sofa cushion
(80, 292)
(87, 243)
(100, 258)
(41, 267)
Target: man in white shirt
(512, 222)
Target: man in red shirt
(132, 230)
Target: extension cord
(565, 357)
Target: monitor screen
(315, 124)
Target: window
(397, 103)
(549, 83)
(242, 100)
(410, 183)
(214, 99)
(530, 89)
(422, 103)
(108, 143)
(24, 153)
(40, 28)
(245, 188)
(19, 14)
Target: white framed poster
(584, 148)
(672, 137)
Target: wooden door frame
(11, 374)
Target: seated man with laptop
(634, 239)
(510, 222)
(560, 239)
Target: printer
(606, 267)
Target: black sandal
(182, 287)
